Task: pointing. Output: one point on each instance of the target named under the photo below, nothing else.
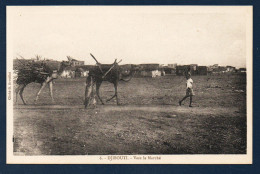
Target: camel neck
(61, 69)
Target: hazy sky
(135, 34)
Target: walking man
(189, 90)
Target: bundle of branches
(29, 71)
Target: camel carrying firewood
(104, 72)
(37, 73)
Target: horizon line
(167, 64)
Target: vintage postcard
(129, 84)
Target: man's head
(188, 75)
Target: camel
(41, 74)
(105, 72)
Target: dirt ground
(148, 121)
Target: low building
(194, 69)
(149, 70)
(242, 70)
(202, 70)
(169, 70)
(173, 65)
(79, 72)
(68, 72)
(75, 62)
(180, 70)
(221, 69)
(231, 69)
(85, 69)
(153, 73)
(213, 68)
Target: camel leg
(17, 91)
(21, 93)
(93, 95)
(88, 91)
(48, 80)
(115, 85)
(87, 95)
(42, 87)
(98, 84)
(111, 98)
(50, 88)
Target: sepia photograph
(129, 84)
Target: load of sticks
(100, 67)
(100, 73)
(28, 70)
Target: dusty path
(145, 108)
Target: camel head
(63, 65)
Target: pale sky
(137, 34)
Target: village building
(86, 69)
(213, 68)
(169, 70)
(68, 72)
(181, 69)
(231, 69)
(79, 72)
(83, 70)
(242, 70)
(75, 62)
(202, 70)
(174, 65)
(149, 70)
(210, 69)
(194, 69)
(221, 69)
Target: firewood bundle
(32, 72)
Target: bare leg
(21, 93)
(183, 99)
(98, 84)
(190, 101)
(51, 93)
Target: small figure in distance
(189, 90)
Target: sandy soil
(148, 121)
